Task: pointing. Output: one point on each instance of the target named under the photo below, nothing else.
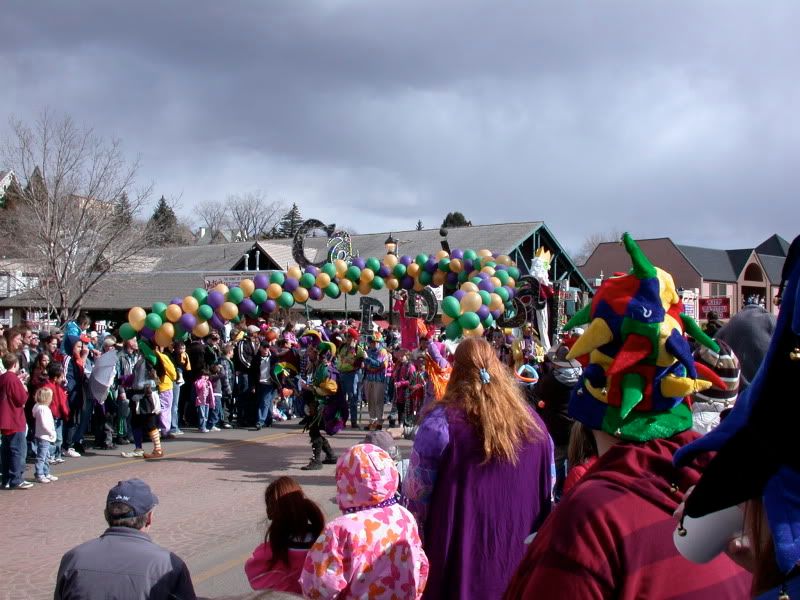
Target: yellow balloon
(456, 266)
(248, 287)
(201, 329)
(323, 280)
(511, 282)
(300, 295)
(364, 288)
(390, 260)
(412, 270)
(228, 310)
(438, 278)
(136, 317)
(294, 272)
(345, 285)
(222, 288)
(495, 282)
(367, 275)
(274, 290)
(471, 302)
(392, 283)
(477, 332)
(488, 270)
(503, 259)
(341, 267)
(164, 335)
(495, 302)
(190, 305)
(468, 287)
(442, 254)
(173, 313)
(484, 252)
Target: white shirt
(45, 426)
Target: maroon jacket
(611, 536)
(12, 404)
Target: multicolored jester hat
(638, 364)
(482, 286)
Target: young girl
(45, 434)
(373, 550)
(295, 523)
(204, 400)
(59, 407)
(403, 372)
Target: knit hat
(725, 364)
(639, 367)
(757, 455)
(748, 333)
(353, 333)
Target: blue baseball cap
(136, 494)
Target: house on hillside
(723, 280)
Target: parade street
(211, 510)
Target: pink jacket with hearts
(373, 550)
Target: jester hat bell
(639, 367)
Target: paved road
(211, 510)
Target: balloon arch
(481, 288)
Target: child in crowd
(204, 399)
(295, 523)
(45, 434)
(59, 407)
(402, 374)
(220, 386)
(229, 376)
(415, 396)
(374, 549)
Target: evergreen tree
(419, 225)
(163, 225)
(290, 222)
(456, 219)
(123, 211)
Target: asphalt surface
(211, 510)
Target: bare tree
(253, 215)
(592, 241)
(213, 215)
(74, 219)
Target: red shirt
(60, 406)
(13, 396)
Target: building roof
(773, 267)
(716, 265)
(212, 257)
(773, 246)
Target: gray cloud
(671, 119)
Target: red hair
(292, 515)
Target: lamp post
(391, 248)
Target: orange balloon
(136, 317)
(484, 252)
(456, 266)
(438, 278)
(488, 270)
(345, 285)
(471, 302)
(190, 305)
(367, 275)
(228, 310)
(390, 260)
(341, 267)
(247, 286)
(174, 313)
(300, 295)
(468, 287)
(442, 254)
(323, 280)
(412, 270)
(222, 288)
(274, 291)
(392, 283)
(294, 272)
(364, 287)
(496, 282)
(201, 329)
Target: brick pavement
(211, 510)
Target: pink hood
(365, 476)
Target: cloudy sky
(664, 118)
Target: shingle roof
(712, 264)
(213, 257)
(773, 246)
(773, 266)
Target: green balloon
(147, 352)
(469, 320)
(205, 312)
(235, 295)
(277, 277)
(237, 319)
(180, 333)
(353, 273)
(470, 255)
(488, 321)
(444, 265)
(463, 276)
(374, 264)
(513, 272)
(485, 297)
(200, 295)
(259, 296)
(378, 283)
(285, 300)
(502, 293)
(421, 259)
(490, 263)
(476, 280)
(307, 281)
(502, 276)
(153, 321)
(399, 270)
(159, 308)
(353, 291)
(329, 269)
(332, 291)
(126, 332)
(451, 307)
(453, 331)
(425, 278)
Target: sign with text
(721, 306)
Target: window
(717, 290)
(753, 273)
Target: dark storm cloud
(664, 118)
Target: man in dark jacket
(12, 425)
(124, 562)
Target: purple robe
(474, 517)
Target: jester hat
(639, 367)
(757, 454)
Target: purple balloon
(468, 266)
(313, 270)
(406, 260)
(176, 300)
(511, 291)
(315, 293)
(459, 294)
(496, 314)
(148, 333)
(291, 284)
(486, 286)
(247, 306)
(359, 262)
(261, 282)
(452, 278)
(407, 282)
(431, 265)
(217, 322)
(484, 276)
(457, 253)
(269, 306)
(188, 321)
(501, 268)
(483, 312)
(215, 299)
(383, 271)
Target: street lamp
(391, 248)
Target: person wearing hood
(74, 369)
(373, 550)
(611, 535)
(755, 471)
(748, 334)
